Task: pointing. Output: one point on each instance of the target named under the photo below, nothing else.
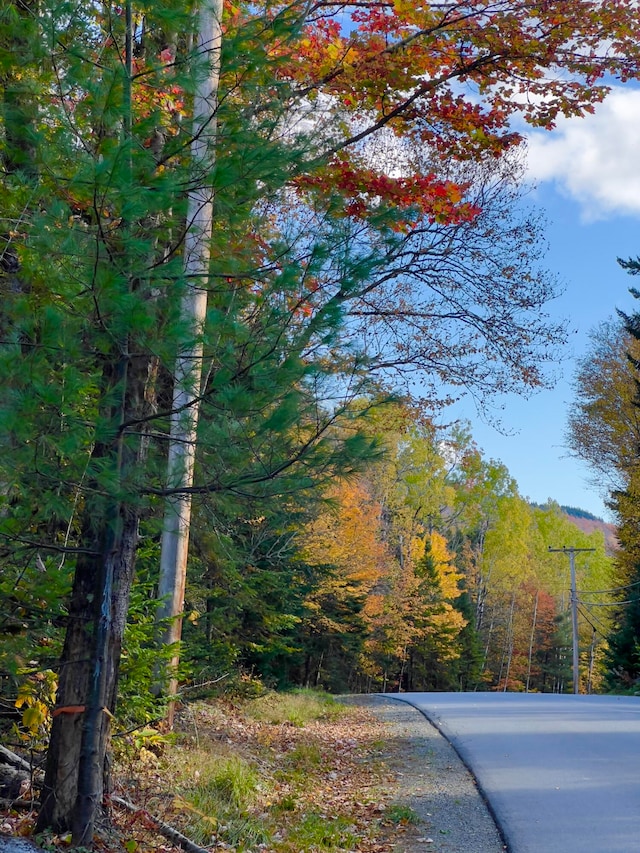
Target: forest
(249, 254)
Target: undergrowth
(271, 773)
(280, 773)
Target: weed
(400, 814)
(304, 756)
(287, 803)
(296, 708)
(244, 833)
(319, 832)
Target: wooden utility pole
(574, 609)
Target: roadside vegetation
(274, 772)
(251, 253)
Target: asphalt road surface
(561, 773)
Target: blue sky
(587, 173)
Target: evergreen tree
(93, 278)
(623, 659)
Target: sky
(586, 174)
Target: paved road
(561, 773)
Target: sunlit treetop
(451, 76)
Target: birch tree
(188, 370)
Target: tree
(188, 370)
(345, 546)
(439, 622)
(604, 430)
(603, 427)
(355, 55)
(481, 488)
(96, 181)
(91, 333)
(617, 401)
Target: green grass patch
(230, 781)
(398, 814)
(297, 708)
(318, 832)
(304, 756)
(216, 801)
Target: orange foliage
(399, 65)
(347, 536)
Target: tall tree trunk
(188, 370)
(532, 639)
(86, 699)
(509, 644)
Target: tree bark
(188, 370)
(76, 767)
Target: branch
(14, 760)
(163, 828)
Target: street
(560, 772)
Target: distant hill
(579, 513)
(587, 522)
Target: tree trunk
(532, 640)
(188, 371)
(509, 644)
(76, 769)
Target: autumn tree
(433, 656)
(481, 487)
(97, 109)
(604, 432)
(603, 427)
(345, 546)
(372, 76)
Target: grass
(318, 832)
(281, 773)
(290, 773)
(233, 782)
(398, 813)
(298, 708)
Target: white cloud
(595, 160)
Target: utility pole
(574, 609)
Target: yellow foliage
(347, 536)
(34, 716)
(36, 695)
(447, 573)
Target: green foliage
(142, 663)
(317, 831)
(579, 513)
(399, 813)
(297, 708)
(32, 611)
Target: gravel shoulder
(433, 781)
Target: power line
(571, 553)
(604, 591)
(591, 625)
(604, 633)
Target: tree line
(603, 431)
(233, 242)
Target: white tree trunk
(188, 370)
